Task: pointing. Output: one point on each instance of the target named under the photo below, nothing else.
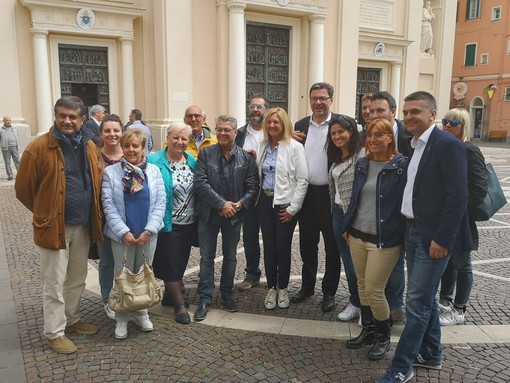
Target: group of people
(394, 188)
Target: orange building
(481, 65)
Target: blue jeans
(251, 228)
(208, 238)
(106, 268)
(395, 287)
(460, 273)
(422, 333)
(345, 254)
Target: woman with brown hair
(375, 232)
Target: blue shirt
(269, 167)
(137, 209)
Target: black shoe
(382, 339)
(202, 309)
(227, 300)
(9, 179)
(181, 318)
(301, 296)
(328, 303)
(367, 335)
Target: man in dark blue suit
(435, 204)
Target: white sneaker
(349, 312)
(270, 302)
(451, 318)
(283, 299)
(109, 312)
(445, 309)
(144, 322)
(121, 330)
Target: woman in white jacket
(284, 181)
(134, 200)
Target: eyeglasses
(321, 99)
(224, 130)
(256, 107)
(190, 116)
(453, 123)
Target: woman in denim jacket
(374, 228)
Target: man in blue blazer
(435, 205)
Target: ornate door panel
(369, 81)
(84, 73)
(267, 63)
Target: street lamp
(491, 88)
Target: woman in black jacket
(458, 275)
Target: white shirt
(315, 148)
(419, 147)
(252, 138)
(395, 133)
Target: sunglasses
(453, 123)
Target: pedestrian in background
(9, 145)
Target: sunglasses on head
(452, 123)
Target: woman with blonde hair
(284, 180)
(174, 241)
(458, 275)
(374, 229)
(134, 200)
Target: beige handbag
(133, 292)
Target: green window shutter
(470, 55)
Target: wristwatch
(239, 206)
(147, 232)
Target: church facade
(161, 56)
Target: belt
(365, 237)
(268, 192)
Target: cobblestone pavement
(203, 353)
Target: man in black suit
(90, 128)
(315, 215)
(435, 205)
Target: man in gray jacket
(9, 145)
(226, 183)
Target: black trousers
(315, 218)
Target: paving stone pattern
(201, 353)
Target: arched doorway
(476, 114)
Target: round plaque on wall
(85, 18)
(283, 3)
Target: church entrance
(84, 74)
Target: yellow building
(162, 55)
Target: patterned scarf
(133, 176)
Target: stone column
(42, 81)
(316, 64)
(395, 82)
(128, 76)
(237, 61)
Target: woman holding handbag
(134, 201)
(174, 240)
(458, 275)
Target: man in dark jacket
(249, 137)
(226, 183)
(435, 205)
(90, 128)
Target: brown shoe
(62, 345)
(247, 284)
(82, 328)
